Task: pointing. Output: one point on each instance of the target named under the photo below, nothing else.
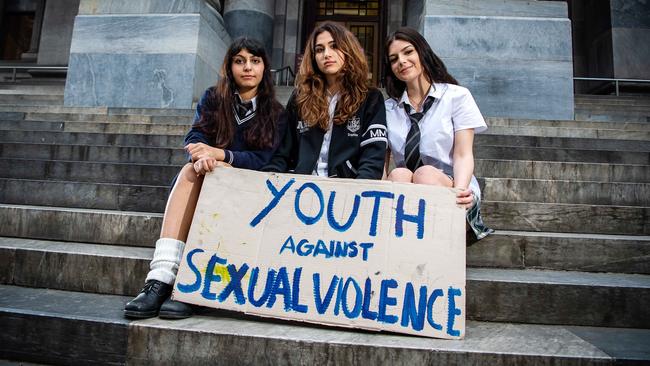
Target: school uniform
(238, 153)
(452, 109)
(354, 149)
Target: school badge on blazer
(353, 124)
(302, 127)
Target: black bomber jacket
(357, 147)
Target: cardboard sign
(355, 253)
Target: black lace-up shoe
(147, 303)
(172, 309)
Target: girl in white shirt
(431, 123)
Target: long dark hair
(434, 69)
(218, 119)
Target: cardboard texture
(355, 253)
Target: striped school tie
(412, 149)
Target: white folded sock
(166, 259)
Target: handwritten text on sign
(366, 254)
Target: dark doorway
(364, 18)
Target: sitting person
(237, 123)
(431, 123)
(336, 125)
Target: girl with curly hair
(336, 124)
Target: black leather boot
(147, 303)
(172, 309)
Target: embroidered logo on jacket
(302, 127)
(354, 124)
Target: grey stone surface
(142, 155)
(566, 218)
(80, 225)
(93, 172)
(566, 191)
(518, 8)
(56, 32)
(229, 338)
(251, 23)
(54, 137)
(96, 127)
(104, 196)
(627, 346)
(144, 61)
(562, 251)
(613, 134)
(621, 126)
(560, 142)
(631, 52)
(596, 298)
(561, 154)
(61, 327)
(96, 7)
(508, 85)
(560, 170)
(106, 269)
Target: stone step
(73, 327)
(82, 171)
(625, 126)
(516, 213)
(566, 218)
(31, 99)
(562, 251)
(33, 173)
(105, 196)
(558, 154)
(96, 127)
(80, 225)
(102, 117)
(84, 138)
(608, 116)
(506, 249)
(563, 142)
(565, 191)
(559, 170)
(592, 133)
(116, 154)
(526, 296)
(144, 125)
(588, 99)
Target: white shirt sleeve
(465, 113)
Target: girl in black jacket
(336, 125)
(237, 123)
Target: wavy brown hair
(434, 69)
(217, 119)
(311, 84)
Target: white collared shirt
(321, 163)
(453, 110)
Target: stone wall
(631, 38)
(144, 54)
(514, 55)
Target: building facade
(518, 57)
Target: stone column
(251, 18)
(630, 38)
(515, 56)
(56, 32)
(144, 54)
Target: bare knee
(429, 175)
(400, 175)
(188, 175)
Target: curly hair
(311, 85)
(434, 69)
(217, 119)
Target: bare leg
(429, 175)
(400, 175)
(181, 204)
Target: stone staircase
(565, 280)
